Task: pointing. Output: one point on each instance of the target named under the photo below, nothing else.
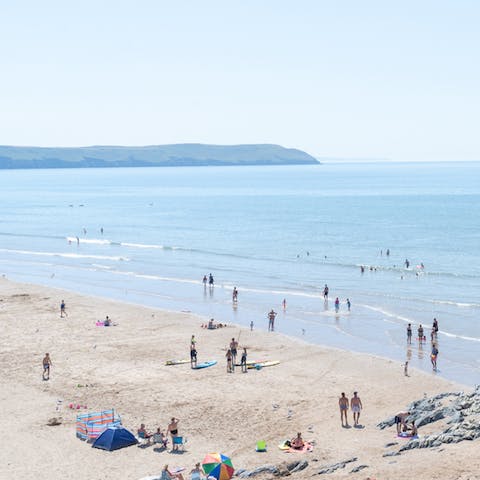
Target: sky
(382, 79)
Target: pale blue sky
(359, 78)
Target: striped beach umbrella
(218, 466)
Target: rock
(54, 421)
(391, 454)
(336, 466)
(297, 466)
(391, 444)
(262, 469)
(357, 469)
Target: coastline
(217, 411)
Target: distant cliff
(179, 155)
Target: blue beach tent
(114, 438)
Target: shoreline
(217, 411)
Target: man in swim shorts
(193, 355)
(173, 430)
(343, 404)
(47, 362)
(400, 421)
(409, 333)
(271, 320)
(356, 406)
(63, 312)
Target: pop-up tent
(114, 438)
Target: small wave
(94, 241)
(64, 255)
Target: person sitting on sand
(168, 475)
(413, 429)
(107, 322)
(197, 473)
(211, 326)
(297, 443)
(142, 433)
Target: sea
(149, 235)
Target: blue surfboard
(205, 364)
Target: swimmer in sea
(337, 305)
(348, 304)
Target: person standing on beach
(435, 326)
(251, 325)
(229, 361)
(63, 312)
(47, 363)
(233, 349)
(337, 305)
(409, 333)
(243, 361)
(210, 280)
(235, 295)
(420, 333)
(193, 355)
(388, 252)
(356, 406)
(173, 430)
(271, 320)
(343, 404)
(348, 304)
(284, 304)
(433, 356)
(405, 368)
(325, 292)
(204, 280)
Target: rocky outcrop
(461, 412)
(279, 471)
(336, 466)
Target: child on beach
(63, 312)
(405, 368)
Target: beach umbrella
(218, 466)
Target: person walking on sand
(47, 363)
(348, 304)
(271, 320)
(173, 430)
(210, 280)
(356, 407)
(63, 312)
(243, 361)
(284, 304)
(405, 368)
(343, 404)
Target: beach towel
(307, 447)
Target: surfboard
(205, 364)
(259, 365)
(176, 362)
(250, 362)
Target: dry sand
(217, 411)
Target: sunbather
(159, 437)
(168, 475)
(142, 432)
(197, 472)
(297, 442)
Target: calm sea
(274, 233)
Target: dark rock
(391, 444)
(357, 469)
(332, 468)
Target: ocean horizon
(149, 235)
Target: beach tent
(114, 438)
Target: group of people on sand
(403, 429)
(355, 405)
(209, 280)
(196, 473)
(159, 436)
(231, 357)
(422, 339)
(212, 324)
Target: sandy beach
(123, 367)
